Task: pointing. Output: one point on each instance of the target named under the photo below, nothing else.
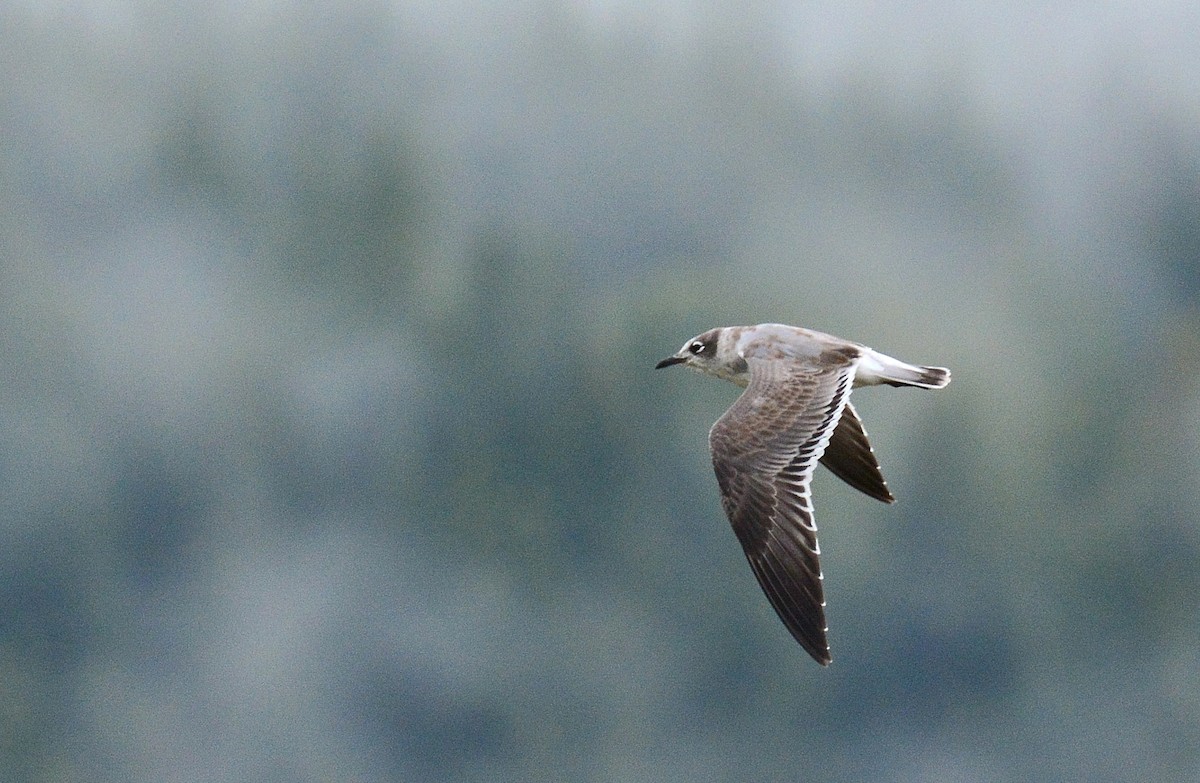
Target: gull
(794, 412)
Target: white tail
(876, 368)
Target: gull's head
(712, 353)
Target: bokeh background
(330, 447)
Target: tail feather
(921, 377)
(877, 367)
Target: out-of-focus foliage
(332, 448)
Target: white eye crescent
(696, 347)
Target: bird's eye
(696, 347)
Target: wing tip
(819, 655)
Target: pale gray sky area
(331, 447)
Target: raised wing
(764, 451)
(850, 457)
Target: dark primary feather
(764, 450)
(849, 457)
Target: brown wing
(850, 457)
(764, 451)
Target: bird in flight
(794, 412)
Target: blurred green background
(332, 448)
